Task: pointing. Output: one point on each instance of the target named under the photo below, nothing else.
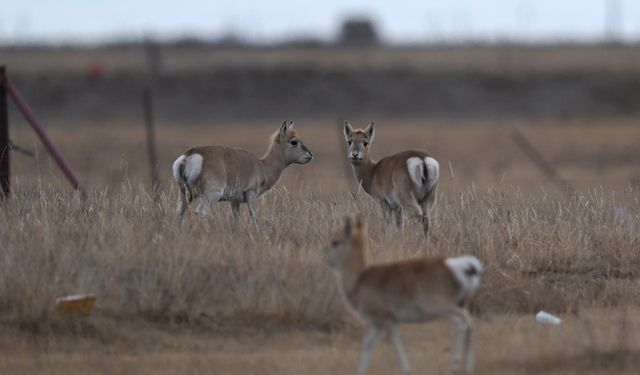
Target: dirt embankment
(248, 93)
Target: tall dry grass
(142, 263)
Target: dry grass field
(203, 296)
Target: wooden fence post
(147, 104)
(541, 163)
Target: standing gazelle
(223, 173)
(403, 183)
(416, 290)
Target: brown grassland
(202, 296)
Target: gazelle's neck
(364, 173)
(349, 272)
(273, 164)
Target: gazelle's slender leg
(235, 210)
(394, 336)
(428, 210)
(387, 214)
(400, 219)
(462, 354)
(182, 201)
(251, 203)
(425, 222)
(370, 340)
(414, 212)
(208, 198)
(203, 207)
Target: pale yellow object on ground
(76, 304)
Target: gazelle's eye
(334, 243)
(293, 143)
(349, 143)
(366, 144)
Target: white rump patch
(176, 169)
(433, 172)
(466, 269)
(192, 168)
(415, 166)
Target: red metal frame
(48, 144)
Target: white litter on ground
(544, 317)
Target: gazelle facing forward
(416, 290)
(223, 173)
(403, 183)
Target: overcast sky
(275, 20)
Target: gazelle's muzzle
(355, 156)
(307, 157)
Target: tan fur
(383, 295)
(388, 180)
(238, 176)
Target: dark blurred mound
(258, 85)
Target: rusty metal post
(5, 166)
(39, 130)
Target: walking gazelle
(416, 290)
(403, 183)
(223, 173)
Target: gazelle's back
(404, 291)
(233, 167)
(390, 173)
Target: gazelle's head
(347, 243)
(292, 146)
(358, 142)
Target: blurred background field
(577, 105)
(204, 296)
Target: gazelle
(416, 290)
(403, 183)
(223, 173)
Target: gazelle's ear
(348, 231)
(348, 130)
(290, 124)
(370, 131)
(283, 129)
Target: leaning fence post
(5, 166)
(541, 163)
